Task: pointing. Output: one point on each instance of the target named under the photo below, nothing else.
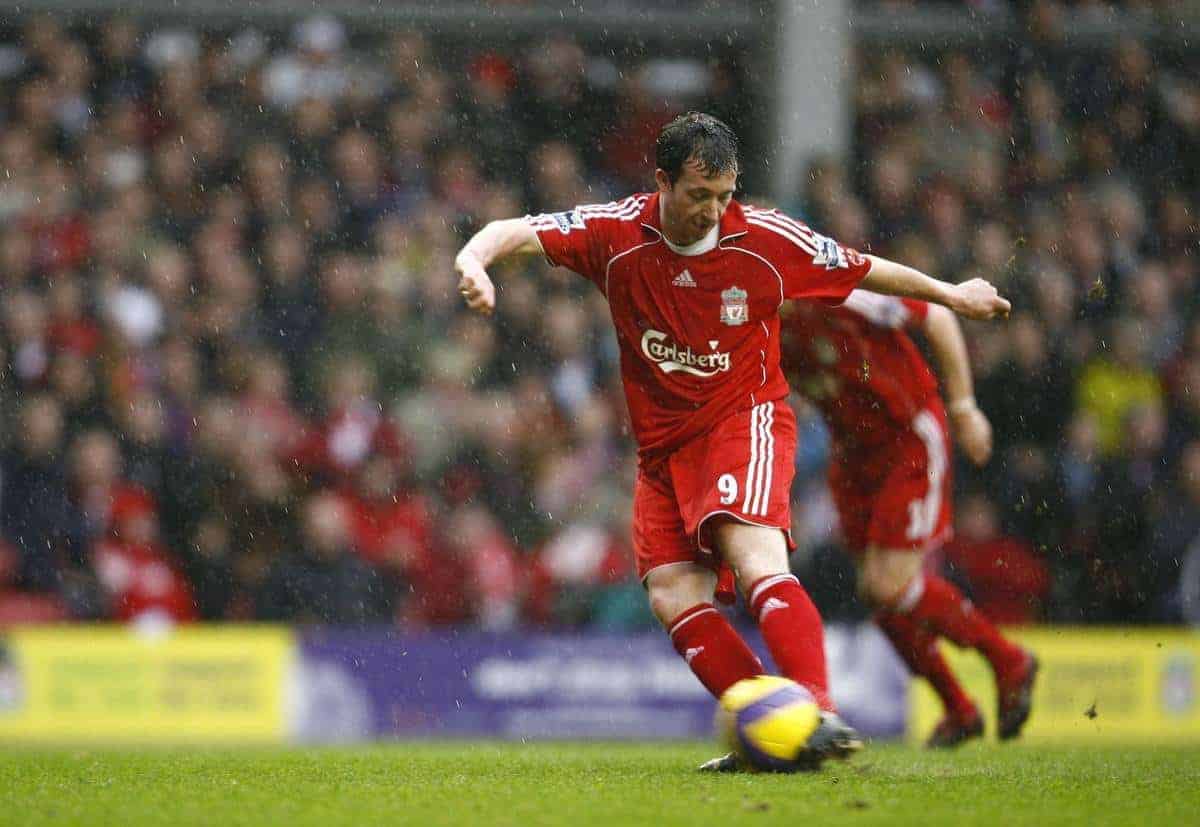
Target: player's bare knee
(884, 575)
(672, 590)
(664, 604)
(752, 551)
(875, 588)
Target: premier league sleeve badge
(734, 310)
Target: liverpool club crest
(734, 310)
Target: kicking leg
(790, 623)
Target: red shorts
(742, 468)
(906, 506)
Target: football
(768, 721)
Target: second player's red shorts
(742, 469)
(897, 498)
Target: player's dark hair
(700, 137)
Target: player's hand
(475, 286)
(979, 299)
(972, 432)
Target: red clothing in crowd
(80, 336)
(275, 422)
(472, 576)
(390, 531)
(60, 244)
(347, 438)
(581, 555)
(140, 578)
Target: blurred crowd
(238, 383)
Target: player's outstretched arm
(495, 241)
(974, 299)
(971, 428)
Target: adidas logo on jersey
(684, 279)
(769, 606)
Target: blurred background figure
(320, 579)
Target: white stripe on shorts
(752, 465)
(762, 456)
(754, 457)
(769, 461)
(923, 513)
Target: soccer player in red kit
(890, 478)
(694, 283)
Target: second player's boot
(954, 730)
(1014, 696)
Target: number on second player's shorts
(727, 485)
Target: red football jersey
(857, 364)
(698, 327)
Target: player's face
(695, 202)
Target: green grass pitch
(469, 783)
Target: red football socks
(715, 652)
(944, 609)
(917, 647)
(791, 627)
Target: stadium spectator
(392, 525)
(314, 69)
(355, 426)
(209, 563)
(322, 580)
(1112, 385)
(577, 576)
(139, 576)
(19, 605)
(39, 518)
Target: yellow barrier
(106, 683)
(1120, 684)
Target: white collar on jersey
(696, 248)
